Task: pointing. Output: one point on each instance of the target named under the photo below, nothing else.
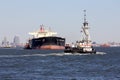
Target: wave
(52, 54)
(101, 53)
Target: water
(19, 64)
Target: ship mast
(85, 29)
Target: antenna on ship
(84, 15)
(85, 21)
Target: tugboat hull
(80, 50)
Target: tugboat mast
(85, 29)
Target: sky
(19, 17)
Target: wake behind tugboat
(84, 45)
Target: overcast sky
(18, 17)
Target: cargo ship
(84, 45)
(45, 39)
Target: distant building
(16, 41)
(5, 43)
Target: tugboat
(46, 40)
(84, 45)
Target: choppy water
(19, 64)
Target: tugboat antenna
(84, 15)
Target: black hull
(51, 43)
(79, 50)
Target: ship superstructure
(42, 32)
(86, 40)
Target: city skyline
(14, 43)
(64, 17)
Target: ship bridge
(42, 32)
